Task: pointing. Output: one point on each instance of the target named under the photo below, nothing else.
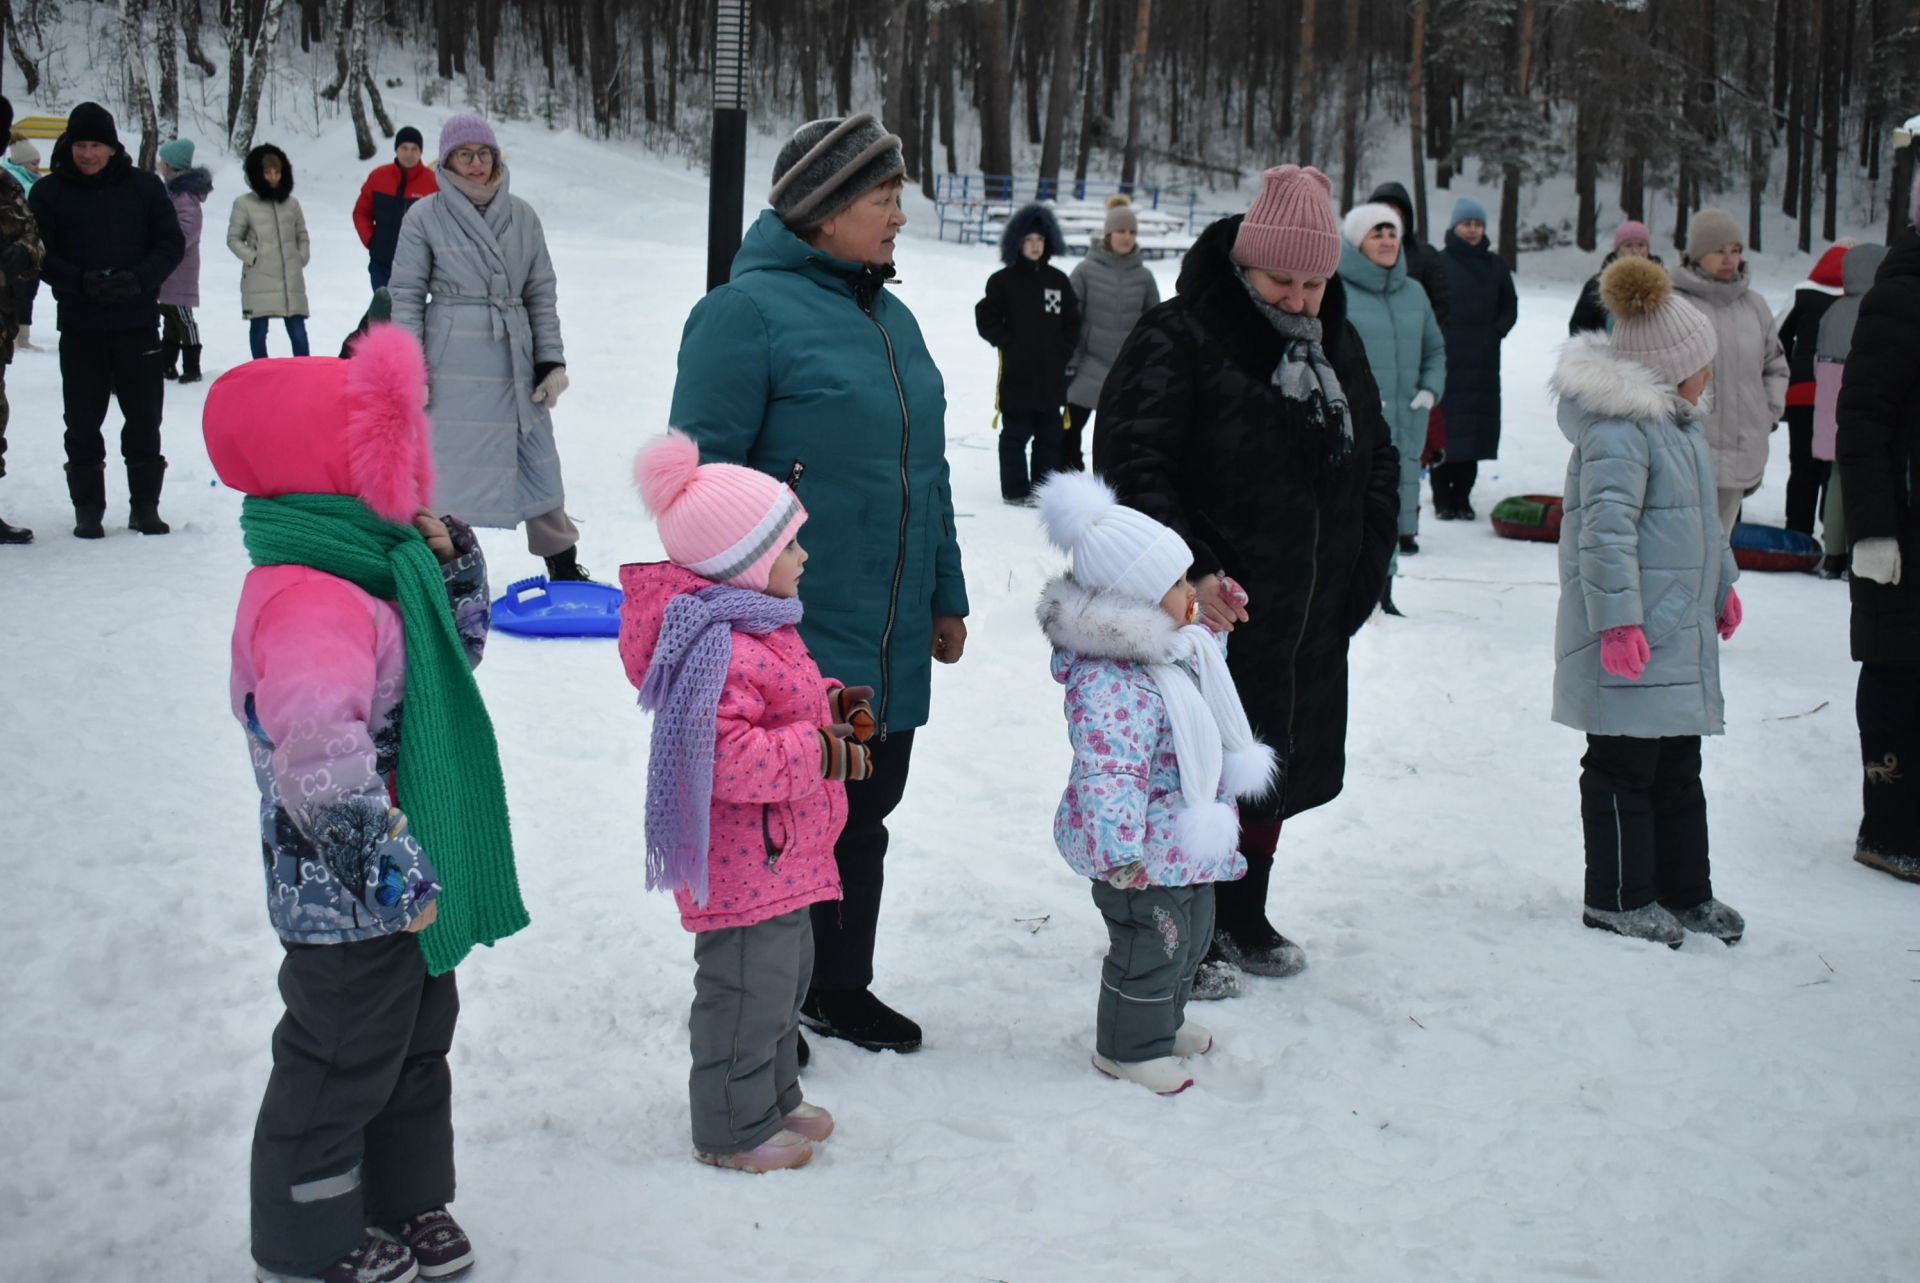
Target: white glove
(549, 390)
(1422, 400)
(1878, 560)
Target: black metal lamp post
(726, 189)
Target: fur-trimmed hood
(196, 182)
(1594, 382)
(257, 178)
(322, 425)
(1096, 625)
(1026, 221)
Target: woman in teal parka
(805, 367)
(1404, 347)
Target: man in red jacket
(384, 199)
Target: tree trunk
(1830, 47)
(167, 45)
(1058, 93)
(1810, 102)
(1756, 148)
(649, 87)
(809, 60)
(1350, 109)
(236, 63)
(1306, 94)
(190, 22)
(1796, 106)
(243, 127)
(995, 85)
(343, 24)
(1136, 93)
(1416, 130)
(356, 73)
(1030, 65)
(132, 23)
(893, 69)
(1510, 186)
(1633, 186)
(943, 59)
(843, 63)
(365, 77)
(1084, 153)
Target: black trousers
(1644, 815)
(356, 1128)
(1073, 444)
(844, 929)
(1017, 428)
(1887, 707)
(96, 369)
(1806, 475)
(1453, 483)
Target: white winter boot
(1192, 1039)
(1162, 1075)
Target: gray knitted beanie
(1709, 232)
(829, 164)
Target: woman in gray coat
(1646, 596)
(473, 282)
(1115, 290)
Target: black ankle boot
(565, 566)
(14, 534)
(856, 1016)
(144, 477)
(145, 517)
(1386, 601)
(190, 364)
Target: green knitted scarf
(449, 780)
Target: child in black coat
(1031, 314)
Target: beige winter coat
(270, 237)
(1749, 376)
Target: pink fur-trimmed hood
(322, 425)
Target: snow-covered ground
(1464, 1085)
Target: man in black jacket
(1424, 263)
(111, 239)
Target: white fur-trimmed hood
(1594, 382)
(1103, 626)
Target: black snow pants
(844, 930)
(1887, 706)
(1645, 819)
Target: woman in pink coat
(746, 786)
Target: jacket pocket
(776, 831)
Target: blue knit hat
(1465, 208)
(177, 154)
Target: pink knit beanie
(719, 520)
(1631, 230)
(1291, 227)
(467, 131)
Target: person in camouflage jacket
(20, 256)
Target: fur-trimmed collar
(1595, 382)
(1096, 625)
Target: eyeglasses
(467, 155)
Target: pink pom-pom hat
(719, 520)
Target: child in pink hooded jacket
(353, 1150)
(746, 789)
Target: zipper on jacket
(906, 510)
(1293, 661)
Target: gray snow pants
(1157, 938)
(357, 1125)
(745, 1030)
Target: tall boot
(1890, 804)
(143, 487)
(190, 363)
(1241, 931)
(87, 487)
(14, 534)
(170, 357)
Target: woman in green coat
(804, 367)
(1404, 348)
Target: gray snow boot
(1216, 979)
(1653, 922)
(1904, 867)
(1712, 918)
(1268, 954)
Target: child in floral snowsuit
(1161, 746)
(746, 786)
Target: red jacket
(384, 199)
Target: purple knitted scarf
(682, 689)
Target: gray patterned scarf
(1304, 373)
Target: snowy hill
(1464, 1085)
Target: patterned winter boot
(1890, 806)
(377, 1260)
(437, 1242)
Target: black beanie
(408, 134)
(91, 123)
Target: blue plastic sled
(1757, 547)
(535, 608)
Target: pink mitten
(1731, 616)
(1624, 651)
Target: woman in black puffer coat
(1483, 310)
(1217, 423)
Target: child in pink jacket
(746, 789)
(360, 598)
(1161, 747)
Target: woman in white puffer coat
(267, 232)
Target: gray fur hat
(829, 164)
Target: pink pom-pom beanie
(719, 520)
(1291, 227)
(1632, 230)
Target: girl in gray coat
(1115, 290)
(1646, 595)
(473, 282)
(268, 234)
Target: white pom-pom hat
(1115, 548)
(719, 520)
